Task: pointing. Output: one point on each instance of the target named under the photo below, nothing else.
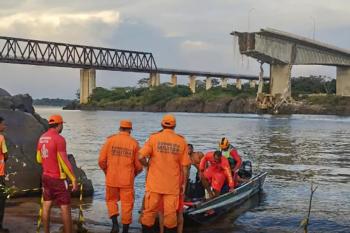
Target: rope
(40, 214)
(11, 191)
(81, 218)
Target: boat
(208, 211)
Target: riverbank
(25, 211)
(314, 105)
(311, 95)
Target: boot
(146, 229)
(115, 227)
(125, 228)
(170, 230)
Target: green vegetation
(313, 85)
(137, 96)
(144, 96)
(311, 90)
(51, 102)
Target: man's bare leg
(207, 186)
(46, 215)
(66, 218)
(180, 222)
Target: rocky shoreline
(220, 105)
(24, 127)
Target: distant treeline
(313, 85)
(143, 95)
(52, 102)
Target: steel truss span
(44, 53)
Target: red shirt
(223, 165)
(51, 153)
(3, 151)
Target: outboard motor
(246, 170)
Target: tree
(144, 82)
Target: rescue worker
(167, 153)
(3, 158)
(230, 152)
(52, 154)
(119, 161)
(179, 210)
(216, 173)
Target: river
(294, 150)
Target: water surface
(294, 150)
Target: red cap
(55, 119)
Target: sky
(181, 34)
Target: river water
(294, 150)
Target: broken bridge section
(282, 50)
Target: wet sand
(21, 215)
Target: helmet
(224, 143)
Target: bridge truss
(44, 53)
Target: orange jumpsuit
(168, 153)
(216, 173)
(119, 160)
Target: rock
(88, 188)
(23, 103)
(185, 105)
(22, 134)
(4, 93)
(24, 127)
(220, 105)
(242, 105)
(74, 105)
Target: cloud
(180, 33)
(57, 19)
(194, 44)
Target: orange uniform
(216, 173)
(119, 160)
(168, 153)
(3, 151)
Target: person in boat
(230, 152)
(215, 175)
(195, 189)
(195, 156)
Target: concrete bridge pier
(192, 83)
(173, 80)
(280, 80)
(208, 83)
(238, 84)
(87, 84)
(224, 82)
(252, 83)
(154, 79)
(343, 81)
